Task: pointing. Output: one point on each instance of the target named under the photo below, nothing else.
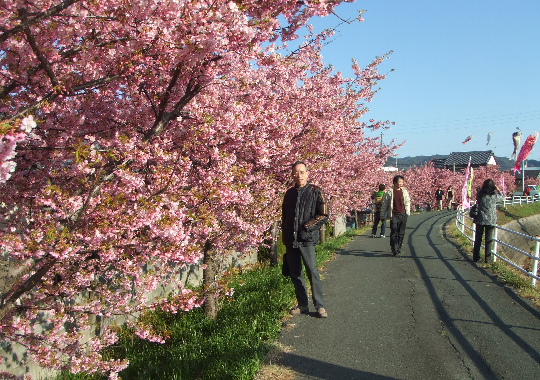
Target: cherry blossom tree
(8, 142)
(164, 133)
(423, 181)
(316, 121)
(532, 181)
(492, 172)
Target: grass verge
(233, 346)
(505, 273)
(507, 214)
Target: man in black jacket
(304, 211)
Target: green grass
(231, 347)
(515, 212)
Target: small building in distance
(458, 161)
(390, 169)
(527, 173)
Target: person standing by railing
(486, 200)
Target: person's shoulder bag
(473, 212)
(285, 267)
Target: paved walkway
(429, 314)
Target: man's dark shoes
(394, 252)
(299, 310)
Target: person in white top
(396, 207)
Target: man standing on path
(304, 211)
(439, 196)
(377, 197)
(396, 207)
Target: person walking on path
(486, 201)
(449, 197)
(396, 207)
(439, 196)
(377, 197)
(304, 211)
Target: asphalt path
(430, 313)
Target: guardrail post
(473, 231)
(535, 264)
(494, 251)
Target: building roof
(529, 173)
(438, 162)
(478, 158)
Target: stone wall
(19, 364)
(527, 226)
(340, 225)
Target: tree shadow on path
(467, 347)
(316, 369)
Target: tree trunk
(209, 281)
(273, 246)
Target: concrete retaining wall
(340, 225)
(18, 363)
(528, 226)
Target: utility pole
(523, 177)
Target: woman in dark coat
(487, 198)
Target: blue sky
(460, 68)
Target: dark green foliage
(232, 346)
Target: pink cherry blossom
(155, 137)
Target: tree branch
(14, 83)
(192, 89)
(32, 41)
(9, 305)
(52, 95)
(40, 16)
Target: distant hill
(507, 164)
(404, 163)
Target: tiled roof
(535, 173)
(462, 158)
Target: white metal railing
(463, 215)
(519, 200)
